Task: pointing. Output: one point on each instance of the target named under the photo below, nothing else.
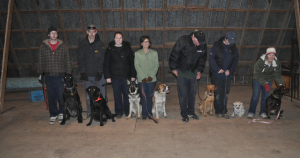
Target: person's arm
(107, 74)
(277, 74)
(100, 59)
(81, 59)
(235, 62)
(140, 72)
(155, 65)
(41, 60)
(175, 54)
(202, 60)
(212, 60)
(131, 64)
(258, 72)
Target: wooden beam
(81, 18)
(185, 14)
(5, 53)
(103, 25)
(123, 27)
(40, 20)
(296, 6)
(205, 12)
(226, 17)
(162, 67)
(144, 16)
(61, 22)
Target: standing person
(90, 59)
(266, 69)
(53, 62)
(223, 61)
(118, 67)
(146, 65)
(187, 61)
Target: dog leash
(265, 122)
(45, 96)
(156, 121)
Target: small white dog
(159, 100)
(238, 109)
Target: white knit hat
(271, 50)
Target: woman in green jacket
(266, 69)
(146, 65)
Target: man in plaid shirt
(53, 62)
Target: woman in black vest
(223, 61)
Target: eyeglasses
(146, 42)
(91, 27)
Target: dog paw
(166, 116)
(79, 121)
(62, 123)
(113, 120)
(101, 124)
(211, 114)
(269, 117)
(88, 124)
(205, 115)
(157, 118)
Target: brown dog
(207, 101)
(159, 100)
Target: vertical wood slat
(103, 25)
(144, 15)
(205, 12)
(185, 14)
(297, 17)
(123, 27)
(40, 20)
(5, 53)
(61, 22)
(24, 36)
(81, 17)
(164, 45)
(226, 17)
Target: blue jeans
(55, 88)
(93, 82)
(187, 89)
(221, 94)
(121, 105)
(148, 89)
(255, 97)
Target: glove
(84, 76)
(149, 79)
(41, 79)
(144, 80)
(98, 76)
(267, 87)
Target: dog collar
(210, 94)
(70, 88)
(98, 99)
(275, 96)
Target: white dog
(159, 100)
(238, 109)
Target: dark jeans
(221, 94)
(55, 89)
(255, 97)
(121, 105)
(148, 89)
(187, 89)
(93, 82)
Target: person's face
(145, 43)
(195, 41)
(271, 57)
(53, 35)
(118, 39)
(226, 41)
(91, 34)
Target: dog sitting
(159, 100)
(273, 103)
(238, 109)
(134, 99)
(72, 104)
(98, 107)
(207, 100)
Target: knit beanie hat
(271, 50)
(51, 28)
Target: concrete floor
(25, 132)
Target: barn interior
(258, 24)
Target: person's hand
(198, 76)
(149, 79)
(132, 79)
(98, 76)
(221, 71)
(84, 76)
(175, 72)
(144, 80)
(227, 72)
(41, 79)
(267, 87)
(108, 80)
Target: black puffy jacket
(119, 65)
(186, 56)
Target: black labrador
(72, 103)
(273, 102)
(98, 107)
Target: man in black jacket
(187, 61)
(90, 59)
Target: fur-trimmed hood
(266, 63)
(124, 44)
(47, 40)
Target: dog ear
(215, 87)
(136, 82)
(128, 82)
(156, 88)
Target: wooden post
(296, 6)
(5, 52)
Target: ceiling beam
(297, 17)
(103, 24)
(226, 17)
(61, 22)
(81, 18)
(40, 19)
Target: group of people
(118, 63)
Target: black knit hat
(200, 36)
(51, 28)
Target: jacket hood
(97, 37)
(47, 40)
(124, 44)
(266, 63)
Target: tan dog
(159, 100)
(207, 101)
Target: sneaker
(225, 116)
(219, 115)
(250, 116)
(119, 116)
(263, 115)
(144, 118)
(185, 119)
(53, 120)
(194, 116)
(60, 117)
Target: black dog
(98, 106)
(72, 104)
(274, 102)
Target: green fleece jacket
(263, 73)
(146, 64)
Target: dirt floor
(25, 132)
